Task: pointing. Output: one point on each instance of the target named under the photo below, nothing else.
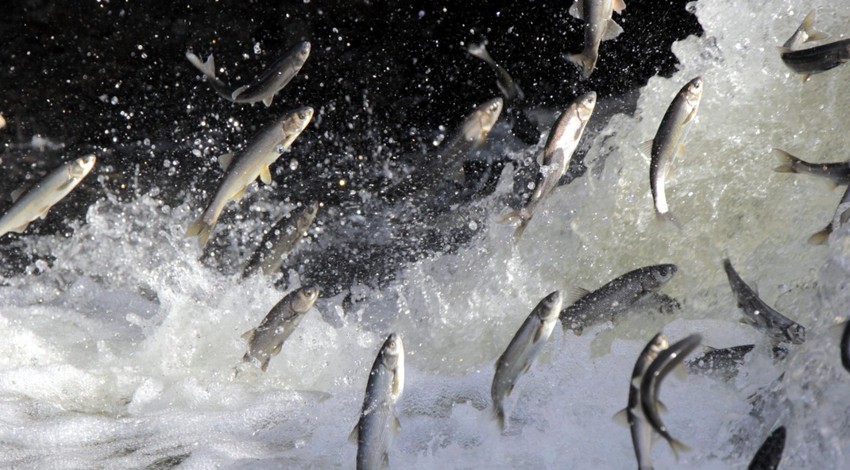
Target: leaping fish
(598, 27)
(250, 163)
(669, 141)
(266, 86)
(560, 145)
(504, 81)
(523, 348)
(37, 201)
(651, 383)
(378, 420)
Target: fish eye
(392, 344)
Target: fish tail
(202, 229)
(678, 446)
(207, 68)
(523, 223)
(667, 218)
(820, 238)
(809, 27)
(585, 62)
(787, 162)
(480, 51)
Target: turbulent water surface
(121, 340)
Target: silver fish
(280, 240)
(724, 363)
(640, 428)
(523, 348)
(838, 172)
(378, 416)
(817, 59)
(599, 26)
(603, 304)
(651, 382)
(560, 145)
(266, 86)
(669, 140)
(805, 33)
(266, 340)
(37, 201)
(504, 81)
(470, 135)
(770, 453)
(250, 163)
(759, 314)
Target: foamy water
(121, 352)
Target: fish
(266, 86)
(651, 382)
(845, 346)
(522, 350)
(36, 202)
(838, 172)
(509, 88)
(378, 416)
(598, 27)
(770, 453)
(280, 240)
(633, 415)
(604, 304)
(669, 141)
(760, 315)
(812, 60)
(805, 33)
(471, 134)
(841, 216)
(724, 363)
(560, 145)
(252, 162)
(266, 340)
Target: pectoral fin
(276, 349)
(621, 417)
(612, 31)
(646, 147)
(238, 92)
(577, 11)
(355, 433)
(618, 5)
(268, 100)
(249, 335)
(266, 175)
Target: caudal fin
(202, 229)
(207, 68)
(586, 63)
(787, 162)
(809, 27)
(677, 446)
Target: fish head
(305, 298)
(585, 105)
(296, 120)
(693, 91)
(302, 53)
(661, 274)
(488, 115)
(551, 304)
(795, 333)
(82, 166)
(392, 357)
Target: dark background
(111, 78)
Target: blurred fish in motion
(633, 415)
(770, 453)
(471, 134)
(839, 219)
(669, 141)
(598, 27)
(604, 304)
(266, 86)
(523, 348)
(838, 173)
(504, 81)
(37, 201)
(267, 339)
(378, 416)
(250, 163)
(560, 145)
(724, 363)
(759, 314)
(651, 382)
(280, 240)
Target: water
(120, 345)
